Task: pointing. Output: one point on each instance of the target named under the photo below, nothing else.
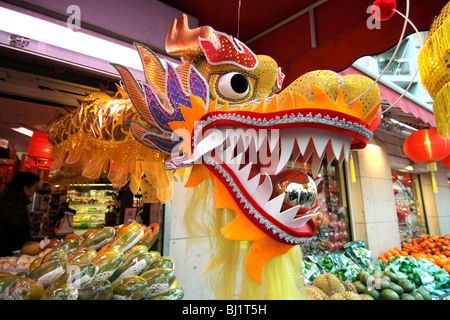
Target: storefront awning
(405, 110)
(306, 35)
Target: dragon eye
(233, 85)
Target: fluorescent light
(24, 131)
(60, 36)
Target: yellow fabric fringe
(441, 108)
(122, 161)
(434, 69)
(226, 272)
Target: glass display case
(333, 222)
(409, 205)
(92, 202)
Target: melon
(31, 248)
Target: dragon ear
(153, 68)
(154, 140)
(136, 95)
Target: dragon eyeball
(233, 85)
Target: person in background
(14, 221)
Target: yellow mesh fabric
(226, 272)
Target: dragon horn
(181, 40)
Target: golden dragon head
(218, 116)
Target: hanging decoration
(446, 162)
(218, 121)
(39, 151)
(427, 146)
(434, 69)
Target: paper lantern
(406, 180)
(427, 146)
(40, 150)
(394, 175)
(446, 162)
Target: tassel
(433, 183)
(432, 167)
(352, 169)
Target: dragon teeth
(287, 146)
(286, 217)
(252, 185)
(300, 221)
(264, 191)
(274, 206)
(274, 150)
(244, 173)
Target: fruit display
(387, 285)
(327, 286)
(420, 279)
(433, 248)
(346, 265)
(102, 264)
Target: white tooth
(300, 221)
(252, 185)
(274, 140)
(295, 153)
(261, 138)
(253, 151)
(320, 139)
(214, 139)
(273, 206)
(336, 144)
(235, 163)
(302, 140)
(316, 163)
(228, 153)
(244, 172)
(264, 191)
(317, 181)
(329, 152)
(249, 138)
(288, 215)
(345, 151)
(287, 144)
(308, 152)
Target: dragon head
(220, 115)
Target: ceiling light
(24, 131)
(61, 36)
(409, 168)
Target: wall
(437, 205)
(372, 201)
(186, 253)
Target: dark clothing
(14, 222)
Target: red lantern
(394, 175)
(406, 180)
(40, 150)
(426, 146)
(446, 162)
